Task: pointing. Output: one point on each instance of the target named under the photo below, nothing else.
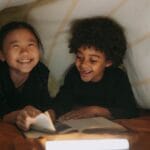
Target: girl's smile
(20, 51)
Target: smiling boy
(94, 85)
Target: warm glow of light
(93, 144)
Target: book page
(44, 126)
(64, 128)
(95, 124)
(43, 123)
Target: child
(23, 78)
(95, 86)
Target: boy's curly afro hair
(103, 33)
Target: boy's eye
(78, 57)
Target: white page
(43, 123)
(94, 123)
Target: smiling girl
(23, 78)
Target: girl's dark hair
(9, 27)
(103, 33)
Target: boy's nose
(84, 64)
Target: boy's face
(20, 51)
(91, 64)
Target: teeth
(25, 61)
(85, 72)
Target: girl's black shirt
(33, 92)
(113, 91)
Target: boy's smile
(91, 64)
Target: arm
(11, 117)
(22, 118)
(4, 107)
(120, 101)
(124, 104)
(42, 98)
(64, 100)
(6, 112)
(87, 112)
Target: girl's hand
(32, 111)
(24, 121)
(26, 117)
(86, 112)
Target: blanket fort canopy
(52, 19)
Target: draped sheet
(52, 20)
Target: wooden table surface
(139, 136)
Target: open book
(43, 125)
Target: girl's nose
(24, 50)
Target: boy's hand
(86, 112)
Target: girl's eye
(93, 61)
(32, 44)
(15, 46)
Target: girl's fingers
(22, 115)
(23, 126)
(32, 111)
(24, 121)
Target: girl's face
(21, 51)
(91, 64)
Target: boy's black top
(33, 92)
(113, 92)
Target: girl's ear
(2, 58)
(109, 63)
